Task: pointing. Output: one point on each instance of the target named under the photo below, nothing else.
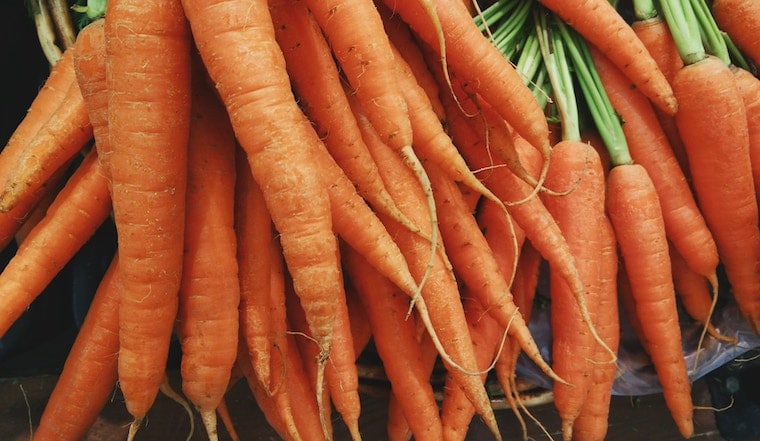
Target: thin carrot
(88, 378)
(279, 151)
(472, 56)
(319, 87)
(253, 227)
(77, 211)
(601, 25)
(641, 236)
(148, 70)
(440, 291)
(209, 292)
(397, 346)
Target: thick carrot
(643, 245)
(713, 125)
(601, 25)
(473, 57)
(278, 140)
(253, 227)
(396, 345)
(88, 377)
(579, 214)
(749, 88)
(440, 292)
(65, 134)
(319, 87)
(740, 19)
(685, 225)
(209, 293)
(73, 217)
(148, 70)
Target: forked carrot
(148, 50)
(279, 152)
(73, 217)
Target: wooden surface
(631, 418)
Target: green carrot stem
(684, 27)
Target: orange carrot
(606, 29)
(209, 292)
(78, 210)
(471, 55)
(279, 151)
(253, 227)
(319, 87)
(88, 377)
(57, 142)
(685, 225)
(90, 69)
(440, 291)
(740, 19)
(148, 70)
(579, 214)
(713, 125)
(397, 346)
(749, 88)
(641, 236)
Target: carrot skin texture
(73, 217)
(89, 374)
(749, 88)
(741, 20)
(713, 125)
(640, 233)
(148, 77)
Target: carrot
(749, 88)
(579, 214)
(440, 292)
(741, 21)
(396, 345)
(148, 70)
(721, 173)
(697, 297)
(209, 292)
(319, 87)
(606, 29)
(58, 141)
(90, 70)
(655, 35)
(279, 152)
(253, 227)
(685, 225)
(73, 217)
(472, 56)
(641, 236)
(88, 377)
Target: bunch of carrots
(294, 181)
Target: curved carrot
(88, 378)
(278, 140)
(643, 245)
(73, 217)
(209, 292)
(148, 62)
(474, 58)
(713, 125)
(601, 25)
